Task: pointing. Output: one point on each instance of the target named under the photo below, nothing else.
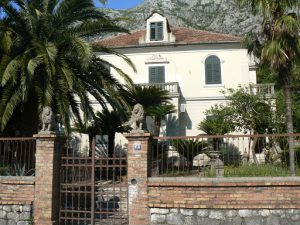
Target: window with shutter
(213, 70)
(157, 74)
(156, 31)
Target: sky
(120, 4)
(114, 4)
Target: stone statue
(47, 119)
(137, 118)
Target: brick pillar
(138, 148)
(46, 199)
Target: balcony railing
(171, 87)
(263, 89)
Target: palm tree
(90, 128)
(47, 54)
(110, 122)
(107, 122)
(156, 102)
(278, 45)
(158, 113)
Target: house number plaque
(137, 146)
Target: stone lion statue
(47, 119)
(137, 118)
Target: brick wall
(137, 175)
(224, 193)
(16, 200)
(226, 201)
(46, 201)
(16, 190)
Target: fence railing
(263, 89)
(223, 155)
(93, 187)
(171, 87)
(17, 156)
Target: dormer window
(156, 31)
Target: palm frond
(10, 98)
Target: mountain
(222, 16)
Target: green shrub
(262, 170)
(230, 155)
(189, 148)
(285, 157)
(4, 170)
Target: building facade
(193, 65)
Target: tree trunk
(255, 139)
(111, 145)
(157, 124)
(289, 124)
(91, 137)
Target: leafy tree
(45, 53)
(278, 45)
(244, 111)
(217, 122)
(250, 112)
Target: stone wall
(16, 215)
(16, 199)
(176, 216)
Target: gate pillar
(46, 200)
(137, 174)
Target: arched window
(213, 70)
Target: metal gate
(93, 189)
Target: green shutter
(152, 31)
(152, 75)
(156, 31)
(213, 70)
(209, 73)
(217, 73)
(157, 74)
(160, 34)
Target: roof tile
(183, 36)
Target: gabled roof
(159, 13)
(183, 36)
(153, 12)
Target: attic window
(156, 31)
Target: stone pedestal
(46, 201)
(138, 171)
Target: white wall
(185, 64)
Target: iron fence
(223, 155)
(93, 188)
(17, 156)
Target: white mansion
(193, 65)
